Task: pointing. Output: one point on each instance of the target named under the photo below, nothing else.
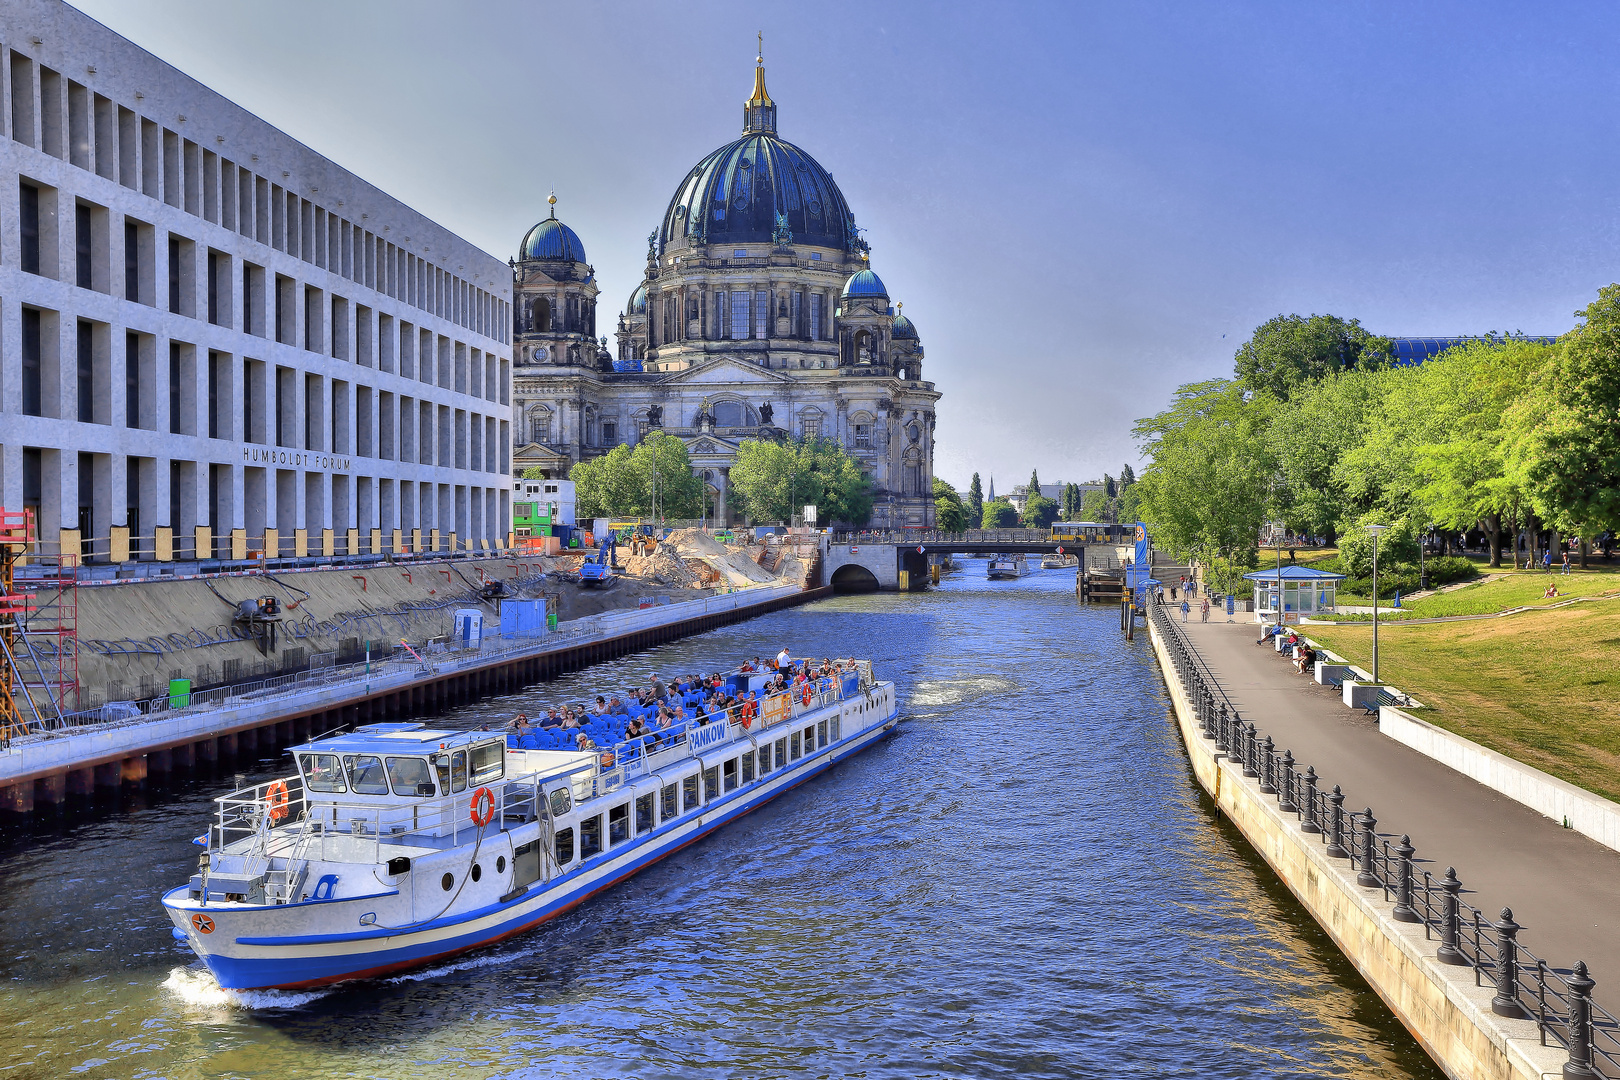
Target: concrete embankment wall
(43, 773)
(1439, 1004)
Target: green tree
(773, 480)
(1208, 482)
(1310, 435)
(1128, 507)
(999, 514)
(534, 472)
(1034, 482)
(1040, 512)
(1290, 350)
(654, 477)
(949, 513)
(1108, 486)
(975, 500)
(1565, 444)
(1127, 476)
(1094, 506)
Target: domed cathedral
(759, 315)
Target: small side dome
(865, 283)
(638, 301)
(553, 241)
(903, 330)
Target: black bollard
(1335, 839)
(1308, 803)
(1506, 1001)
(1368, 878)
(1579, 1066)
(1268, 768)
(1404, 911)
(1448, 953)
(1250, 744)
(1285, 784)
(1222, 744)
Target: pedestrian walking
(1185, 608)
(1566, 562)
(1203, 610)
(1546, 559)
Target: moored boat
(396, 845)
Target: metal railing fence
(1528, 987)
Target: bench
(1382, 698)
(1334, 679)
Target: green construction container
(179, 693)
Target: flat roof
(397, 738)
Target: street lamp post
(1423, 573)
(1375, 530)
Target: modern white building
(219, 339)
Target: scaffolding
(39, 683)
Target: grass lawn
(1518, 588)
(1541, 687)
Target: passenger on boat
(601, 705)
(520, 724)
(616, 707)
(784, 659)
(658, 690)
(749, 666)
(583, 742)
(569, 719)
(635, 729)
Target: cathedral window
(541, 316)
(540, 428)
(816, 316)
(721, 300)
(762, 312)
(641, 429)
(799, 329)
(863, 436)
(610, 433)
(810, 425)
(739, 315)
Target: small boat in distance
(1058, 562)
(1007, 566)
(394, 846)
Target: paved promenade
(1563, 888)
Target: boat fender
(177, 933)
(482, 809)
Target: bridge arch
(853, 577)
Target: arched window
(540, 315)
(913, 473)
(810, 423)
(733, 414)
(540, 425)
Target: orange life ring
(275, 799)
(806, 693)
(483, 807)
(607, 759)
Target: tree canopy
(999, 514)
(974, 504)
(1039, 512)
(949, 513)
(654, 477)
(772, 480)
(1290, 351)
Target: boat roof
(396, 738)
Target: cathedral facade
(758, 316)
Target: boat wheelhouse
(397, 845)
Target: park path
(1563, 888)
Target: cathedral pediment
(709, 444)
(724, 371)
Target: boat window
(410, 776)
(711, 781)
(590, 837)
(669, 810)
(730, 771)
(565, 846)
(821, 733)
(794, 742)
(809, 739)
(366, 775)
(458, 771)
(781, 753)
(488, 762)
(321, 772)
(619, 824)
(644, 812)
(748, 767)
(689, 793)
(835, 735)
(560, 802)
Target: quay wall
(1440, 1005)
(41, 773)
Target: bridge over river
(866, 560)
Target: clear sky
(1081, 205)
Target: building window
(762, 313)
(863, 436)
(642, 427)
(32, 363)
(610, 433)
(810, 426)
(739, 316)
(81, 245)
(28, 223)
(540, 428)
(815, 316)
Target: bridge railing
(939, 536)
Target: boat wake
(197, 988)
(437, 970)
(932, 692)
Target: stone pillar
(81, 782)
(51, 790)
(133, 771)
(18, 798)
(108, 777)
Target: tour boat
(397, 845)
(1007, 566)
(1058, 562)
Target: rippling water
(1024, 882)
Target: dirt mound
(693, 544)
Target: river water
(1024, 882)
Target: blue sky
(1081, 205)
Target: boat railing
(282, 810)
